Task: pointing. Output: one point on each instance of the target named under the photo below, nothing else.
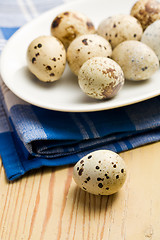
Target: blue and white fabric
(32, 137)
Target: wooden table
(46, 204)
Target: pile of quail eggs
(123, 47)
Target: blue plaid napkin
(32, 137)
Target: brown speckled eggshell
(146, 11)
(70, 24)
(137, 60)
(46, 58)
(119, 28)
(101, 172)
(85, 47)
(100, 78)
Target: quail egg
(119, 28)
(101, 172)
(46, 58)
(85, 47)
(146, 11)
(100, 78)
(151, 37)
(70, 24)
(137, 60)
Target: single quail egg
(151, 37)
(100, 78)
(85, 47)
(137, 60)
(46, 58)
(146, 11)
(119, 28)
(101, 172)
(68, 25)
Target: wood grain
(46, 204)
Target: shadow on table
(90, 203)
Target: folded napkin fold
(32, 137)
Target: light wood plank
(46, 204)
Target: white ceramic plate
(65, 95)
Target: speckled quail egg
(68, 25)
(46, 58)
(100, 78)
(85, 47)
(101, 172)
(151, 37)
(137, 60)
(146, 11)
(119, 28)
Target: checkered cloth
(32, 137)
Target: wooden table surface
(46, 204)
